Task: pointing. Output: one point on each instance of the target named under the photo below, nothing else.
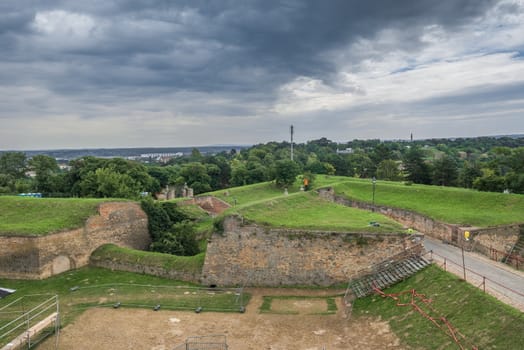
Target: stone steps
(387, 275)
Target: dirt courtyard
(306, 329)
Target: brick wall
(36, 257)
(260, 256)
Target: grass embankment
(308, 211)
(40, 216)
(190, 264)
(102, 287)
(250, 194)
(484, 321)
(447, 204)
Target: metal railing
(497, 289)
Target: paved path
(502, 281)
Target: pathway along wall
(501, 238)
(37, 257)
(251, 255)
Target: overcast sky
(122, 73)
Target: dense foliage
(485, 163)
(171, 231)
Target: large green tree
(286, 172)
(445, 171)
(13, 164)
(47, 179)
(415, 167)
(388, 170)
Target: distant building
(348, 150)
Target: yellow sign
(466, 235)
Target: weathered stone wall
(481, 239)
(260, 256)
(500, 238)
(36, 257)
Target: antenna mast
(291, 130)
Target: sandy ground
(115, 329)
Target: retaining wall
(254, 255)
(498, 237)
(38, 257)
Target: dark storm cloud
(212, 46)
(168, 67)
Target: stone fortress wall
(37, 257)
(252, 255)
(242, 254)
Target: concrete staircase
(386, 274)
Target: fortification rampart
(37, 257)
(501, 238)
(261, 256)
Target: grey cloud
(283, 39)
(210, 58)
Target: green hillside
(485, 322)
(447, 204)
(308, 211)
(40, 216)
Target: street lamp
(374, 181)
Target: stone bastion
(251, 255)
(38, 257)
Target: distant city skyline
(111, 74)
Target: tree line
(485, 164)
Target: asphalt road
(502, 281)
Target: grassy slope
(138, 257)
(308, 211)
(486, 322)
(448, 204)
(39, 216)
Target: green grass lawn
(102, 287)
(308, 211)
(40, 216)
(484, 321)
(330, 304)
(448, 204)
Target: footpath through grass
(447, 204)
(484, 321)
(308, 211)
(40, 216)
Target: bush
(169, 228)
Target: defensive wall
(501, 238)
(252, 255)
(37, 257)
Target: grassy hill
(484, 321)
(308, 211)
(447, 204)
(40, 216)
